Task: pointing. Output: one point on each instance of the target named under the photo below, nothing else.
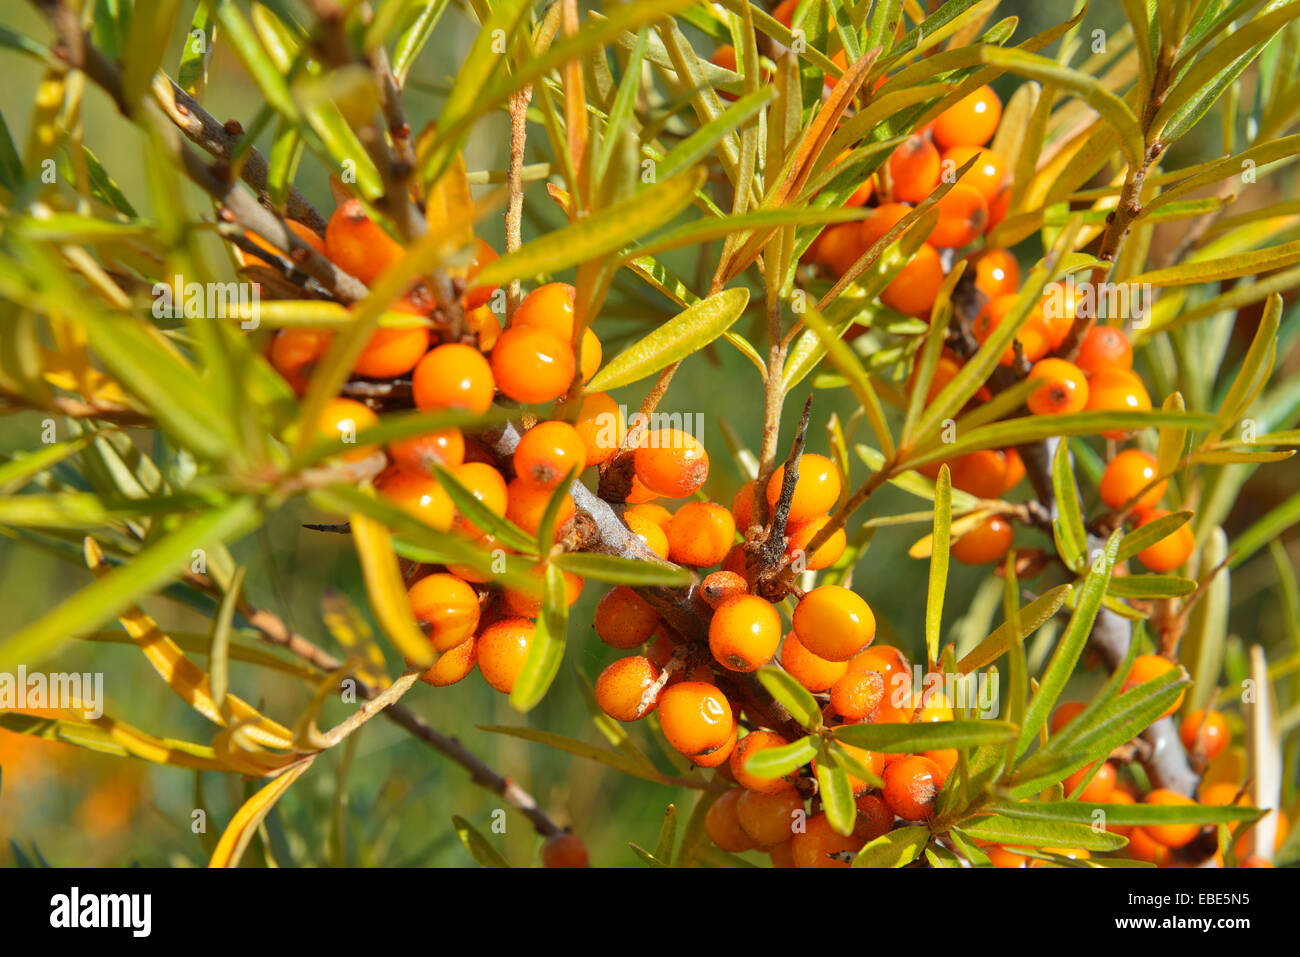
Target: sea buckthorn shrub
(831, 435)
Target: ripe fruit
(418, 495)
(742, 505)
(342, 420)
(528, 603)
(624, 619)
(813, 672)
(695, 717)
(997, 273)
(914, 169)
(1099, 789)
(1127, 474)
(700, 534)
(1206, 732)
(834, 623)
(885, 218)
(564, 850)
(1117, 389)
(621, 686)
(1015, 470)
(1034, 334)
(720, 586)
(1170, 835)
(1104, 347)
(1148, 668)
(547, 453)
(298, 229)
(820, 845)
(649, 531)
(744, 633)
(746, 748)
(768, 819)
(911, 786)
(981, 473)
(551, 307)
(857, 694)
(1064, 388)
(971, 121)
(487, 486)
(448, 606)
(392, 352)
(963, 217)
(293, 353)
(526, 506)
(874, 818)
(800, 536)
(722, 823)
(839, 247)
(913, 291)
(453, 665)
(719, 756)
(815, 491)
(671, 462)
(892, 667)
(453, 376)
(986, 542)
(1171, 551)
(476, 297)
(987, 175)
(600, 426)
(358, 245)
(1064, 714)
(1003, 857)
(502, 650)
(418, 454)
(532, 364)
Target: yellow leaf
(235, 839)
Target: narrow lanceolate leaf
(1268, 528)
(1172, 438)
(836, 793)
(239, 832)
(931, 736)
(192, 74)
(895, 849)
(1223, 267)
(1032, 617)
(667, 835)
(1071, 643)
(1124, 815)
(782, 761)
(256, 60)
(795, 697)
(1203, 645)
(599, 234)
(22, 468)
(1031, 832)
(612, 759)
(547, 649)
(387, 592)
(1144, 536)
(682, 336)
(482, 517)
(622, 571)
(414, 36)
(147, 43)
(1071, 536)
(847, 362)
(478, 846)
(1255, 367)
(938, 563)
(123, 587)
(1150, 586)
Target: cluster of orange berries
(1204, 734)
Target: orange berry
(945, 759)
(1005, 858)
(448, 606)
(911, 787)
(834, 623)
(1170, 552)
(564, 850)
(719, 756)
(418, 495)
(486, 544)
(997, 273)
(963, 217)
(1104, 347)
(839, 247)
(987, 175)
(547, 453)
(622, 685)
(722, 824)
(971, 121)
(485, 326)
(784, 12)
(1142, 848)
(1127, 474)
(655, 514)
(1206, 732)
(1099, 789)
(476, 296)
(293, 353)
(1064, 714)
(343, 420)
(768, 819)
(744, 633)
(874, 818)
(528, 604)
(358, 245)
(1111, 389)
(649, 531)
(671, 463)
(1118, 795)
(896, 676)
(695, 717)
(600, 426)
(392, 352)
(1034, 334)
(746, 748)
(551, 307)
(1148, 668)
(982, 473)
(1170, 835)
(820, 845)
(700, 534)
(885, 217)
(743, 505)
(418, 454)
(813, 672)
(624, 619)
(526, 506)
(914, 169)
(857, 694)
(453, 665)
(1064, 388)
(720, 586)
(485, 484)
(986, 542)
(453, 376)
(639, 494)
(913, 291)
(502, 651)
(298, 229)
(532, 364)
(782, 855)
(1015, 470)
(800, 536)
(816, 490)
(1058, 308)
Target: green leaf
(844, 359)
(683, 335)
(896, 849)
(781, 761)
(927, 736)
(1144, 536)
(611, 759)
(623, 571)
(795, 697)
(700, 143)
(147, 41)
(1203, 645)
(269, 79)
(25, 466)
(482, 517)
(414, 36)
(667, 835)
(938, 563)
(547, 649)
(1150, 586)
(477, 844)
(192, 74)
(1032, 832)
(1071, 536)
(1267, 529)
(1032, 617)
(1224, 267)
(1123, 815)
(836, 793)
(651, 859)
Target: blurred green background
(398, 798)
